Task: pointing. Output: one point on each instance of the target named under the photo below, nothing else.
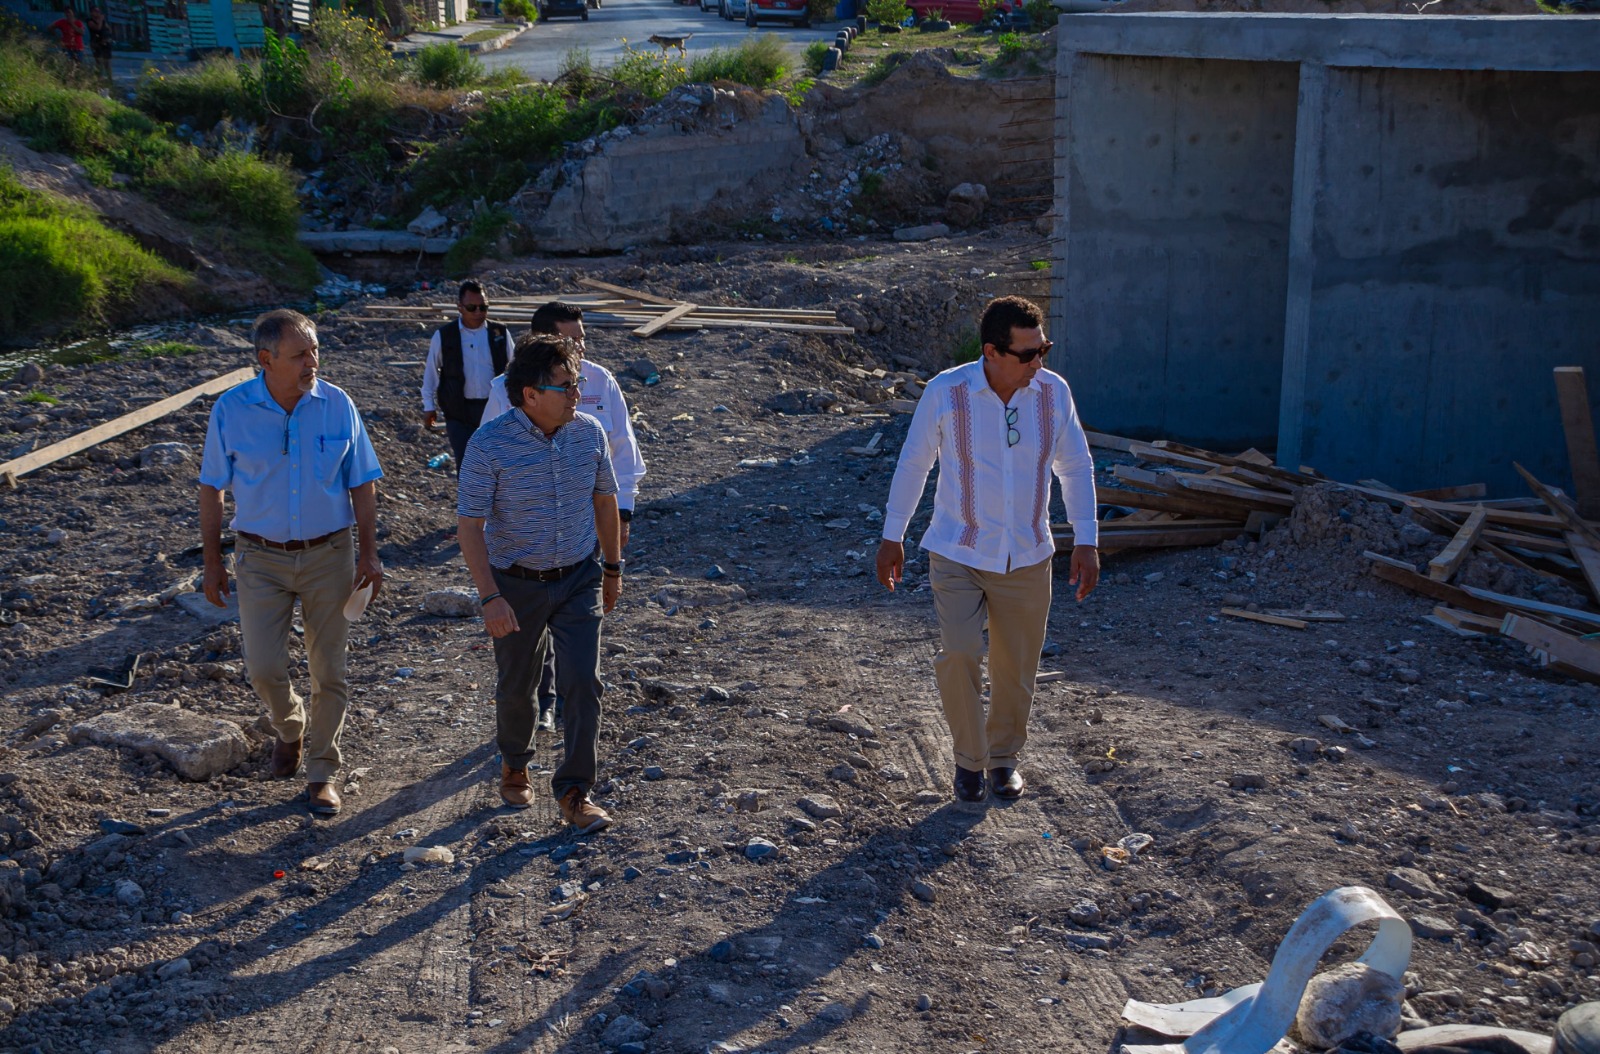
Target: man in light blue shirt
(295, 453)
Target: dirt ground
(754, 662)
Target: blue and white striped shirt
(536, 493)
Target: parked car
(709, 5)
(731, 9)
(795, 11)
(966, 11)
(549, 9)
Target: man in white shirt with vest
(601, 399)
(998, 428)
(464, 357)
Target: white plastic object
(356, 606)
(1252, 1019)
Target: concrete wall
(1365, 240)
(639, 187)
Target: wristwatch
(613, 568)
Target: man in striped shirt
(999, 428)
(537, 507)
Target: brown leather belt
(288, 547)
(554, 574)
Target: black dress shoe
(547, 721)
(969, 784)
(1007, 783)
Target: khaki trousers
(1017, 604)
(269, 581)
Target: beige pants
(269, 581)
(1017, 605)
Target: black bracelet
(612, 574)
(625, 515)
(617, 567)
(485, 601)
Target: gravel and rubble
(787, 871)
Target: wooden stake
(1273, 620)
(1572, 395)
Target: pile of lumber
(608, 306)
(1183, 495)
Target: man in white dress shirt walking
(998, 427)
(464, 357)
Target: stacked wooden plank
(608, 306)
(1183, 495)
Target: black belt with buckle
(288, 547)
(554, 574)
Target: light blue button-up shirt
(290, 473)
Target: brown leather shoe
(286, 758)
(322, 799)
(580, 812)
(515, 789)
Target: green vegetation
(759, 62)
(480, 35)
(41, 399)
(1039, 265)
(887, 12)
(523, 9)
(816, 55)
(60, 266)
(161, 349)
(444, 65)
(481, 237)
(967, 349)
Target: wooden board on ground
(1572, 395)
(1468, 620)
(1588, 618)
(1307, 616)
(1465, 492)
(633, 294)
(12, 470)
(1108, 442)
(1442, 567)
(1392, 571)
(1562, 512)
(1271, 620)
(663, 320)
(1167, 483)
(1560, 647)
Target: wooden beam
(1553, 502)
(21, 466)
(1242, 461)
(1167, 483)
(1108, 442)
(663, 320)
(1561, 647)
(1508, 517)
(1180, 503)
(1467, 620)
(1153, 536)
(1588, 556)
(1271, 620)
(1437, 590)
(620, 290)
(1572, 395)
(1464, 492)
(1238, 491)
(1442, 567)
(1538, 607)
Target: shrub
(758, 61)
(354, 42)
(577, 73)
(1042, 14)
(445, 65)
(648, 73)
(816, 55)
(888, 12)
(231, 188)
(202, 95)
(479, 240)
(522, 9)
(968, 348)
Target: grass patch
(1039, 265)
(968, 348)
(477, 36)
(759, 62)
(39, 398)
(161, 349)
(58, 261)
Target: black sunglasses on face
(1027, 355)
(475, 308)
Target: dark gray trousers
(571, 610)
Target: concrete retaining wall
(1362, 240)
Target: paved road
(539, 51)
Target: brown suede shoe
(515, 790)
(580, 812)
(286, 758)
(322, 799)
